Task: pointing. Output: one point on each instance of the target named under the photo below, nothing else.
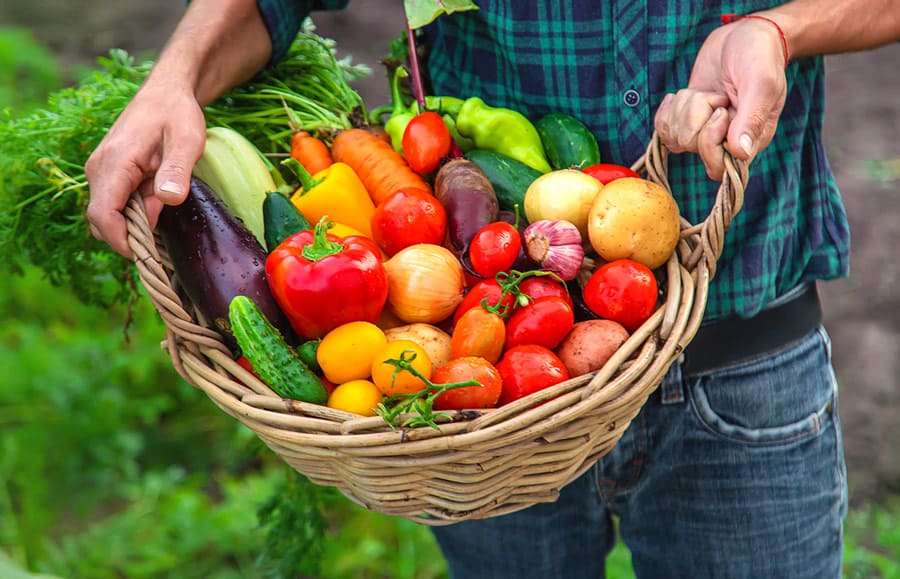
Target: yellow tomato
(403, 382)
(346, 352)
(356, 396)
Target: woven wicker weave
(479, 464)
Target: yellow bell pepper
(337, 192)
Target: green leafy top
(420, 13)
(43, 190)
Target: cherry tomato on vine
(528, 368)
(406, 217)
(460, 370)
(544, 285)
(606, 172)
(426, 140)
(544, 322)
(485, 289)
(494, 248)
(623, 291)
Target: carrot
(311, 152)
(382, 169)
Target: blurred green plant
(872, 541)
(28, 70)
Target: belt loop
(672, 387)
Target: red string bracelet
(729, 18)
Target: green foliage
(43, 191)
(112, 466)
(43, 150)
(28, 71)
(872, 541)
(295, 527)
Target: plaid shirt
(610, 64)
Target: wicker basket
(478, 464)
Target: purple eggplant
(215, 258)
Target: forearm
(217, 45)
(817, 27)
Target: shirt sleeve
(283, 19)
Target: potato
(633, 218)
(434, 340)
(589, 345)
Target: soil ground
(862, 312)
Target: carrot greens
(43, 190)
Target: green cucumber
(273, 360)
(568, 142)
(281, 219)
(509, 177)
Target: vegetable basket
(480, 463)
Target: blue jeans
(736, 474)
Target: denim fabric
(736, 474)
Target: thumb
(173, 177)
(755, 119)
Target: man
(735, 466)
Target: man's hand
(152, 147)
(734, 97)
(156, 141)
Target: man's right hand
(153, 145)
(152, 148)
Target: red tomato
(540, 286)
(606, 172)
(487, 288)
(527, 369)
(244, 363)
(545, 322)
(461, 370)
(623, 291)
(494, 248)
(426, 140)
(406, 217)
(478, 333)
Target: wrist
(768, 21)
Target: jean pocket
(783, 398)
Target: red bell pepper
(322, 281)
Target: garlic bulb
(555, 244)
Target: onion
(425, 283)
(562, 194)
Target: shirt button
(631, 98)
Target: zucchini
(509, 177)
(281, 219)
(273, 360)
(235, 169)
(568, 142)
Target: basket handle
(710, 233)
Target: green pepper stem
(321, 247)
(399, 107)
(307, 181)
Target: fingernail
(717, 114)
(171, 191)
(171, 187)
(746, 144)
